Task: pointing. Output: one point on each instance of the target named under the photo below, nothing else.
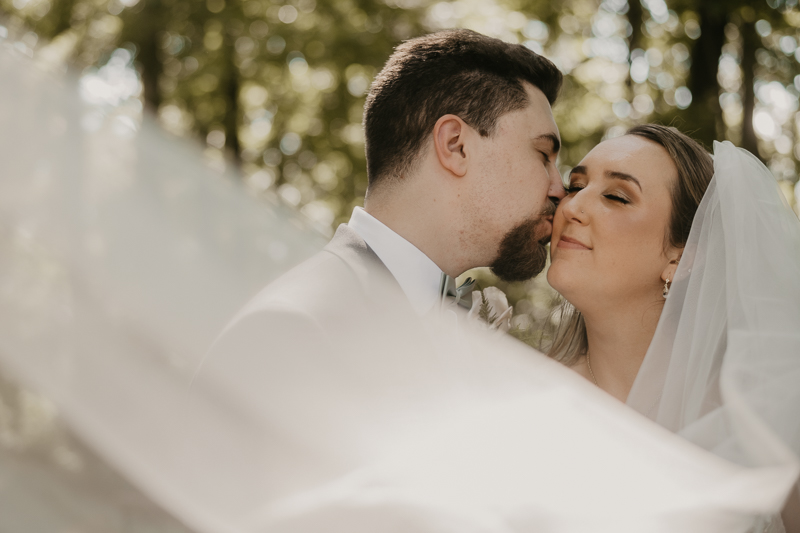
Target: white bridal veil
(724, 366)
(723, 369)
(122, 256)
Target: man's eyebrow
(556, 144)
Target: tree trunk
(704, 116)
(142, 27)
(749, 47)
(635, 18)
(63, 16)
(230, 89)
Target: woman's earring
(666, 289)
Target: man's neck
(422, 220)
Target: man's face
(514, 188)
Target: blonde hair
(568, 335)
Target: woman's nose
(573, 208)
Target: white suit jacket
(345, 273)
(370, 419)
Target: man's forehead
(536, 97)
(541, 122)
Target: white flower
(491, 305)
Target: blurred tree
(61, 17)
(749, 47)
(704, 116)
(635, 20)
(710, 25)
(277, 86)
(141, 27)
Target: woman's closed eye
(615, 198)
(574, 188)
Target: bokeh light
(277, 88)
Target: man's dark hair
(459, 72)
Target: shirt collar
(418, 276)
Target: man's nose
(557, 190)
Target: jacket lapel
(374, 278)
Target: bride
(682, 285)
(617, 239)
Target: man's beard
(522, 255)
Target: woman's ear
(449, 140)
(674, 258)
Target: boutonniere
(490, 306)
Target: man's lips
(567, 242)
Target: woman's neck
(618, 339)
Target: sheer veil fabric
(723, 369)
(122, 257)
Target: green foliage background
(277, 86)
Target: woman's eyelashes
(574, 188)
(615, 198)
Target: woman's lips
(566, 242)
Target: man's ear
(674, 258)
(449, 142)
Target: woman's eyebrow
(580, 169)
(623, 176)
(611, 174)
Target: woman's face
(609, 231)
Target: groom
(461, 148)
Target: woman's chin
(558, 276)
(570, 285)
